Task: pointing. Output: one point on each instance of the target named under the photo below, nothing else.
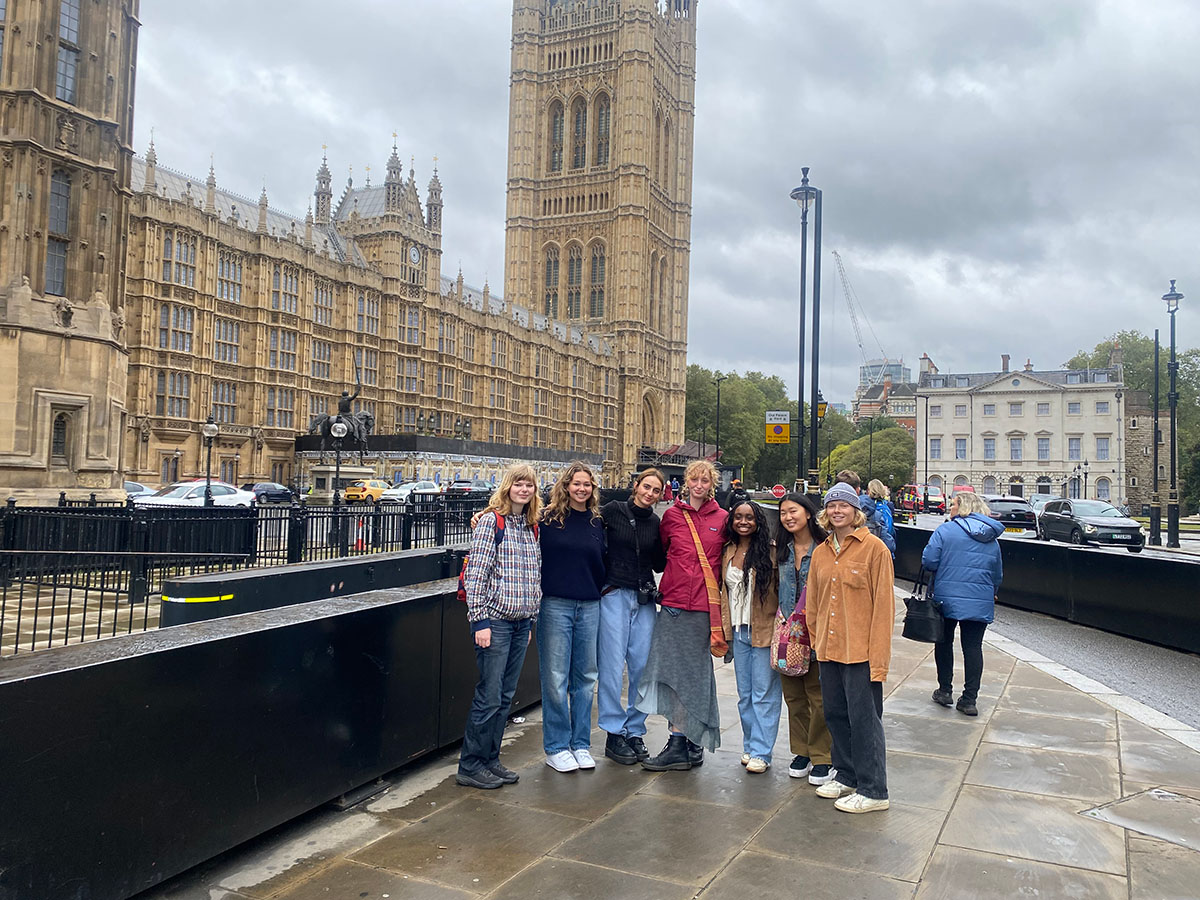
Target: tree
(888, 455)
(878, 423)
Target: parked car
(1039, 501)
(370, 489)
(191, 493)
(401, 492)
(1014, 513)
(912, 496)
(1088, 522)
(135, 489)
(462, 488)
(269, 492)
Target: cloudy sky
(999, 176)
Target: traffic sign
(778, 491)
(779, 434)
(778, 417)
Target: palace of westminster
(135, 301)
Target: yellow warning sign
(779, 433)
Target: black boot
(618, 750)
(674, 756)
(695, 754)
(638, 746)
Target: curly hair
(702, 467)
(560, 500)
(758, 556)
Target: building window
(445, 383)
(961, 381)
(578, 134)
(173, 394)
(229, 277)
(170, 469)
(989, 485)
(468, 354)
(1016, 409)
(175, 324)
(1074, 408)
(280, 407)
(410, 326)
(1043, 449)
(59, 438)
(935, 448)
(1072, 378)
(1074, 449)
(603, 114)
(497, 394)
(468, 389)
(226, 335)
(58, 239)
(179, 258)
(1043, 409)
(323, 304)
(551, 304)
(989, 448)
(282, 349)
(322, 359)
(368, 314)
(556, 136)
(406, 375)
(1016, 448)
(989, 409)
(1103, 489)
(224, 402)
(1099, 377)
(500, 350)
(935, 411)
(1101, 448)
(960, 410)
(574, 282)
(68, 51)
(596, 303)
(1102, 407)
(960, 448)
(446, 336)
(285, 289)
(228, 470)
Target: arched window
(960, 481)
(652, 309)
(603, 113)
(59, 433)
(556, 136)
(578, 134)
(596, 301)
(552, 282)
(989, 485)
(657, 145)
(575, 282)
(935, 481)
(57, 229)
(1103, 487)
(663, 313)
(666, 156)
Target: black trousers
(971, 639)
(854, 714)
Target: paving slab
(553, 878)
(1024, 729)
(1157, 813)
(955, 873)
(354, 880)
(1051, 772)
(762, 875)
(1162, 871)
(953, 738)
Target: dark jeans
(854, 714)
(971, 638)
(499, 668)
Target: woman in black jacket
(627, 608)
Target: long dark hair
(758, 557)
(783, 537)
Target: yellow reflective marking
(167, 599)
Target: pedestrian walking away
(850, 613)
(964, 556)
(808, 736)
(627, 608)
(749, 602)
(503, 592)
(573, 573)
(678, 682)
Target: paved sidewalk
(999, 806)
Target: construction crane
(852, 302)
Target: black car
(269, 492)
(1014, 513)
(469, 487)
(1090, 522)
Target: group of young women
(586, 575)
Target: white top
(739, 596)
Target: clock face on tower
(414, 255)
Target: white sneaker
(757, 766)
(563, 761)
(857, 803)
(583, 758)
(745, 758)
(831, 790)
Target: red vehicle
(912, 497)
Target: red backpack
(462, 575)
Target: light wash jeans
(625, 631)
(760, 696)
(567, 658)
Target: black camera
(649, 593)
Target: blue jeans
(499, 669)
(760, 696)
(567, 658)
(625, 631)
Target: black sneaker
(505, 774)
(821, 775)
(943, 698)
(695, 754)
(966, 707)
(801, 766)
(483, 779)
(638, 746)
(617, 748)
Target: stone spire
(151, 165)
(323, 193)
(210, 193)
(394, 182)
(433, 202)
(262, 211)
(308, 227)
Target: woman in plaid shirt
(504, 591)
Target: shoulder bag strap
(637, 544)
(710, 582)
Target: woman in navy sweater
(572, 539)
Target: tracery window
(285, 289)
(552, 282)
(323, 303)
(603, 114)
(579, 134)
(59, 238)
(68, 51)
(596, 302)
(575, 282)
(556, 136)
(229, 277)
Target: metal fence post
(297, 526)
(406, 522)
(139, 562)
(343, 530)
(439, 522)
(62, 498)
(376, 526)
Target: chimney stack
(1028, 365)
(1003, 362)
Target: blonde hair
(878, 490)
(970, 502)
(560, 500)
(501, 502)
(860, 519)
(699, 467)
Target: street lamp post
(1155, 499)
(717, 381)
(1172, 298)
(420, 421)
(822, 408)
(210, 430)
(1085, 479)
(804, 197)
(338, 429)
(925, 500)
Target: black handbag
(923, 621)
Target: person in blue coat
(964, 556)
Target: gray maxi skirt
(678, 681)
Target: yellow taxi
(366, 490)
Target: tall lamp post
(1172, 298)
(822, 408)
(925, 486)
(338, 429)
(1155, 499)
(717, 381)
(805, 196)
(210, 430)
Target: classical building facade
(66, 118)
(599, 191)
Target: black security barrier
(1138, 596)
(127, 761)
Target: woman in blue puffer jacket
(964, 556)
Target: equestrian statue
(359, 425)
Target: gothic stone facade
(599, 190)
(66, 109)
